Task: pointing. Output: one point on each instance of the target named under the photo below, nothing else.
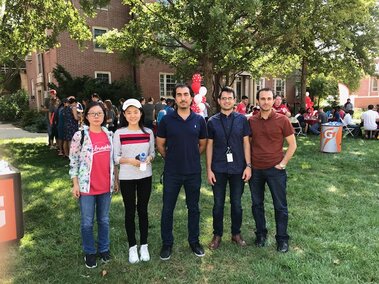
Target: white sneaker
(144, 251)
(133, 254)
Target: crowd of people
(311, 119)
(237, 152)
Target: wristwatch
(248, 165)
(282, 166)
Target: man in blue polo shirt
(228, 160)
(181, 138)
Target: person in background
(321, 118)
(132, 141)
(348, 121)
(95, 98)
(142, 100)
(110, 115)
(70, 123)
(242, 106)
(348, 106)
(148, 111)
(279, 107)
(369, 119)
(159, 106)
(50, 105)
(228, 161)
(93, 177)
(181, 138)
(336, 114)
(269, 131)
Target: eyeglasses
(95, 114)
(227, 99)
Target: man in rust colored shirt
(269, 130)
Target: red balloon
(203, 99)
(195, 87)
(196, 78)
(195, 108)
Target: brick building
(367, 92)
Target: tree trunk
(208, 79)
(304, 67)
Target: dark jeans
(171, 188)
(130, 189)
(236, 186)
(277, 183)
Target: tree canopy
(222, 38)
(217, 38)
(29, 25)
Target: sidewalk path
(9, 131)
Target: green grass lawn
(334, 225)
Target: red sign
(8, 229)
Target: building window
(238, 88)
(280, 87)
(260, 84)
(39, 63)
(166, 84)
(96, 31)
(103, 76)
(33, 89)
(374, 85)
(105, 8)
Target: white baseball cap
(131, 102)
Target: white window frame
(260, 84)
(39, 64)
(33, 88)
(164, 92)
(98, 49)
(374, 84)
(283, 92)
(104, 72)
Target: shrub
(13, 106)
(34, 121)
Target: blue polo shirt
(182, 142)
(236, 128)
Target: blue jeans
(88, 203)
(171, 188)
(277, 183)
(236, 186)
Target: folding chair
(346, 129)
(297, 127)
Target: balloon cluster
(308, 102)
(198, 103)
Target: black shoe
(260, 241)
(197, 249)
(282, 247)
(165, 252)
(90, 260)
(105, 257)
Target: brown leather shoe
(215, 243)
(239, 240)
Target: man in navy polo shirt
(181, 138)
(228, 160)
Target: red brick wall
(148, 77)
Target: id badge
(229, 157)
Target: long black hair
(125, 123)
(91, 105)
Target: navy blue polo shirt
(182, 142)
(236, 128)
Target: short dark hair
(182, 85)
(227, 90)
(370, 107)
(244, 97)
(263, 90)
(91, 105)
(277, 95)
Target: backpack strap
(82, 138)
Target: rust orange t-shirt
(267, 139)
(100, 171)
